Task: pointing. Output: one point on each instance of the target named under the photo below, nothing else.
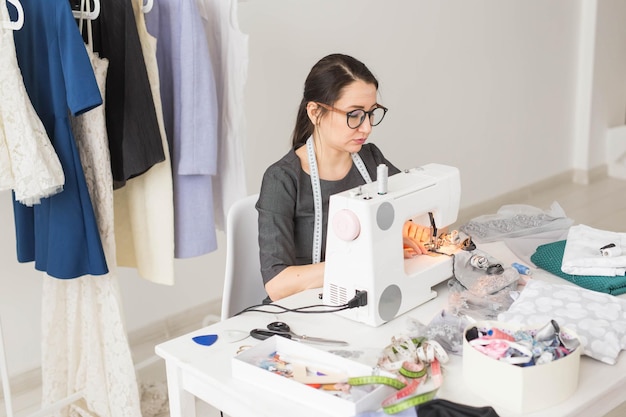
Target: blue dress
(61, 234)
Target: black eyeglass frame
(349, 114)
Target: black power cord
(359, 300)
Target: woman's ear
(313, 111)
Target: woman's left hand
(414, 236)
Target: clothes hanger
(148, 6)
(91, 15)
(81, 20)
(16, 25)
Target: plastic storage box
(245, 366)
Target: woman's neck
(332, 165)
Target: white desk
(205, 371)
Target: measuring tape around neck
(317, 195)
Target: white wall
(609, 98)
(488, 86)
(484, 85)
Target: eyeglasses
(355, 118)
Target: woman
(329, 155)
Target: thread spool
(522, 269)
(611, 251)
(382, 174)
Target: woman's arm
(294, 279)
(282, 275)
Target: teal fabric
(550, 257)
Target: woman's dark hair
(324, 84)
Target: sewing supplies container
(522, 389)
(245, 367)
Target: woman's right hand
(414, 237)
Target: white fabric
(598, 319)
(582, 252)
(28, 162)
(144, 207)
(228, 48)
(525, 246)
(86, 348)
(516, 220)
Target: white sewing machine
(364, 249)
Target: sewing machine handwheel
(346, 225)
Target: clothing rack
(6, 389)
(88, 14)
(93, 14)
(58, 405)
(4, 371)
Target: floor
(601, 204)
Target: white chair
(243, 285)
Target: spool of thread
(522, 269)
(611, 251)
(382, 173)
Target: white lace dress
(86, 347)
(28, 163)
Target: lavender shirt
(190, 112)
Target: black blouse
(132, 125)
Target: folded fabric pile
(590, 251)
(550, 258)
(516, 220)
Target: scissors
(279, 328)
